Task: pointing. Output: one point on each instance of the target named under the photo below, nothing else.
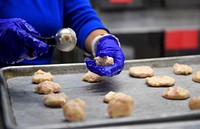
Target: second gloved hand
(17, 43)
(108, 46)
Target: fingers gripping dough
(41, 76)
(105, 61)
(47, 87)
(92, 77)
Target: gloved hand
(17, 43)
(108, 46)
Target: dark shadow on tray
(108, 84)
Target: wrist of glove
(106, 45)
(17, 43)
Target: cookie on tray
(194, 103)
(196, 76)
(141, 71)
(109, 96)
(91, 77)
(159, 81)
(177, 93)
(55, 100)
(182, 69)
(120, 107)
(47, 87)
(40, 76)
(113, 95)
(74, 110)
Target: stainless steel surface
(61, 42)
(23, 108)
(159, 125)
(151, 20)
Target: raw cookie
(120, 107)
(105, 61)
(47, 87)
(41, 76)
(113, 95)
(66, 38)
(91, 77)
(176, 93)
(109, 96)
(55, 100)
(182, 69)
(196, 76)
(141, 71)
(158, 81)
(74, 110)
(194, 103)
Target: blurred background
(147, 28)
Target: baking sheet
(25, 109)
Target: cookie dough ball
(74, 110)
(194, 103)
(176, 93)
(196, 76)
(109, 96)
(141, 71)
(47, 87)
(158, 81)
(182, 69)
(113, 95)
(66, 38)
(41, 76)
(91, 77)
(120, 107)
(55, 100)
(105, 61)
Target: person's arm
(90, 38)
(93, 36)
(82, 18)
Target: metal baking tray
(23, 108)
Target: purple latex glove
(17, 43)
(107, 46)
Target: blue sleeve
(82, 18)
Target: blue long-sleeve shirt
(48, 16)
